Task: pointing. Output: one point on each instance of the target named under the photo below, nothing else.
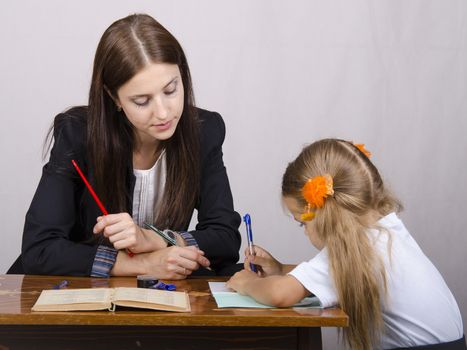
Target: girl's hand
(174, 262)
(269, 266)
(240, 281)
(123, 233)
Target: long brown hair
(124, 49)
(359, 197)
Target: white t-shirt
(420, 309)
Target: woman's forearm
(128, 266)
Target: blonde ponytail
(357, 271)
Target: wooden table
(205, 327)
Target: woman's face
(153, 101)
(297, 210)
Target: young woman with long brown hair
(368, 263)
(151, 157)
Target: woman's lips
(163, 126)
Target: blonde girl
(368, 263)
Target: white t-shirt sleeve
(314, 276)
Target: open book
(107, 298)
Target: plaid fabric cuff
(104, 261)
(189, 239)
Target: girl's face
(153, 101)
(297, 210)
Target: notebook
(226, 297)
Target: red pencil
(88, 185)
(94, 195)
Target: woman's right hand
(269, 266)
(174, 262)
(169, 263)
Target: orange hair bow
(315, 191)
(361, 147)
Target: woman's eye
(301, 224)
(141, 103)
(170, 92)
(171, 88)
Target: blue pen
(61, 285)
(163, 286)
(249, 235)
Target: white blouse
(149, 189)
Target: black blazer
(57, 237)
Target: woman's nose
(160, 111)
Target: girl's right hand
(269, 266)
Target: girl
(151, 157)
(368, 262)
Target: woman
(151, 157)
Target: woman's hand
(172, 263)
(123, 233)
(241, 280)
(269, 266)
(175, 262)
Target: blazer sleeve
(51, 244)
(217, 229)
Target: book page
(73, 296)
(73, 299)
(171, 299)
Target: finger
(190, 252)
(122, 244)
(111, 219)
(186, 271)
(259, 260)
(119, 226)
(178, 272)
(186, 264)
(195, 249)
(200, 258)
(246, 264)
(203, 261)
(260, 251)
(260, 271)
(181, 257)
(102, 222)
(176, 276)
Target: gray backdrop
(388, 73)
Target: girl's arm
(279, 291)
